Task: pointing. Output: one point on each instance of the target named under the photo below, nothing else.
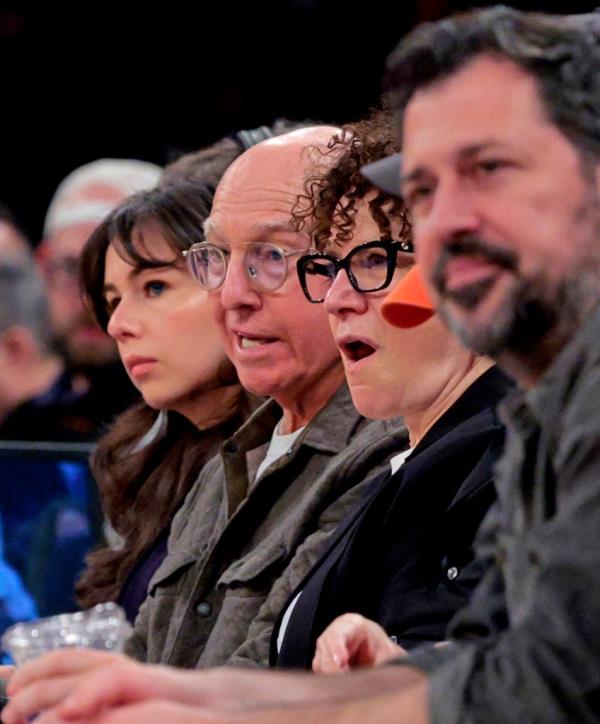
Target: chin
(156, 400)
(372, 403)
(156, 404)
(258, 385)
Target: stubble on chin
(533, 323)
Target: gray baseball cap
(385, 173)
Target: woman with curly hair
(404, 557)
(135, 280)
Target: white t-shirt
(398, 460)
(280, 445)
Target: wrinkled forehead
(239, 229)
(488, 100)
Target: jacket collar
(329, 431)
(487, 391)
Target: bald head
(275, 168)
(280, 345)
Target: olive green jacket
(234, 538)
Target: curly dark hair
(562, 54)
(335, 186)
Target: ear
(18, 344)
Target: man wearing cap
(78, 205)
(94, 386)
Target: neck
(528, 364)
(299, 410)
(523, 373)
(420, 421)
(214, 406)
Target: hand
(80, 685)
(401, 699)
(48, 680)
(352, 641)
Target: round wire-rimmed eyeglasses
(265, 264)
(370, 267)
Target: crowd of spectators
(337, 386)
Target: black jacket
(405, 556)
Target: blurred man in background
(97, 384)
(30, 367)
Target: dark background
(150, 82)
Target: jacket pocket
(244, 587)
(166, 575)
(254, 572)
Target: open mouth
(357, 350)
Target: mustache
(474, 247)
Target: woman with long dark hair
(135, 280)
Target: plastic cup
(102, 627)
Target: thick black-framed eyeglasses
(370, 267)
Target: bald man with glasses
(298, 464)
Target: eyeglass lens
(265, 265)
(208, 265)
(368, 267)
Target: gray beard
(535, 323)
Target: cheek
(216, 312)
(426, 254)
(312, 334)
(411, 352)
(205, 364)
(333, 324)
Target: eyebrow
(464, 154)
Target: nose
(343, 299)
(452, 212)
(124, 323)
(237, 291)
